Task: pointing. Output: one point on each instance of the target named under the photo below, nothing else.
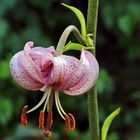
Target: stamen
(72, 122)
(57, 105)
(41, 119)
(48, 90)
(49, 93)
(24, 120)
(67, 122)
(60, 106)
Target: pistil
(47, 132)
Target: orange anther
(24, 120)
(41, 120)
(67, 122)
(72, 122)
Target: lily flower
(37, 68)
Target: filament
(57, 104)
(47, 99)
(58, 101)
(42, 100)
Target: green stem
(64, 36)
(92, 96)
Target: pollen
(67, 122)
(70, 122)
(24, 120)
(41, 120)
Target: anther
(24, 120)
(41, 120)
(67, 123)
(72, 122)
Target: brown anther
(47, 133)
(24, 120)
(72, 122)
(41, 120)
(67, 122)
(49, 120)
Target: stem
(64, 36)
(92, 96)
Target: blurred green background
(118, 53)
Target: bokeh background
(118, 53)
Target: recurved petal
(28, 46)
(43, 51)
(86, 75)
(38, 50)
(21, 75)
(67, 65)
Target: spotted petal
(25, 66)
(21, 75)
(84, 78)
(36, 68)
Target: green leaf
(89, 41)
(73, 46)
(80, 17)
(108, 122)
(76, 46)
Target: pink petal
(21, 76)
(68, 66)
(31, 67)
(28, 46)
(36, 68)
(43, 51)
(86, 75)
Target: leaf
(73, 46)
(108, 122)
(80, 17)
(76, 46)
